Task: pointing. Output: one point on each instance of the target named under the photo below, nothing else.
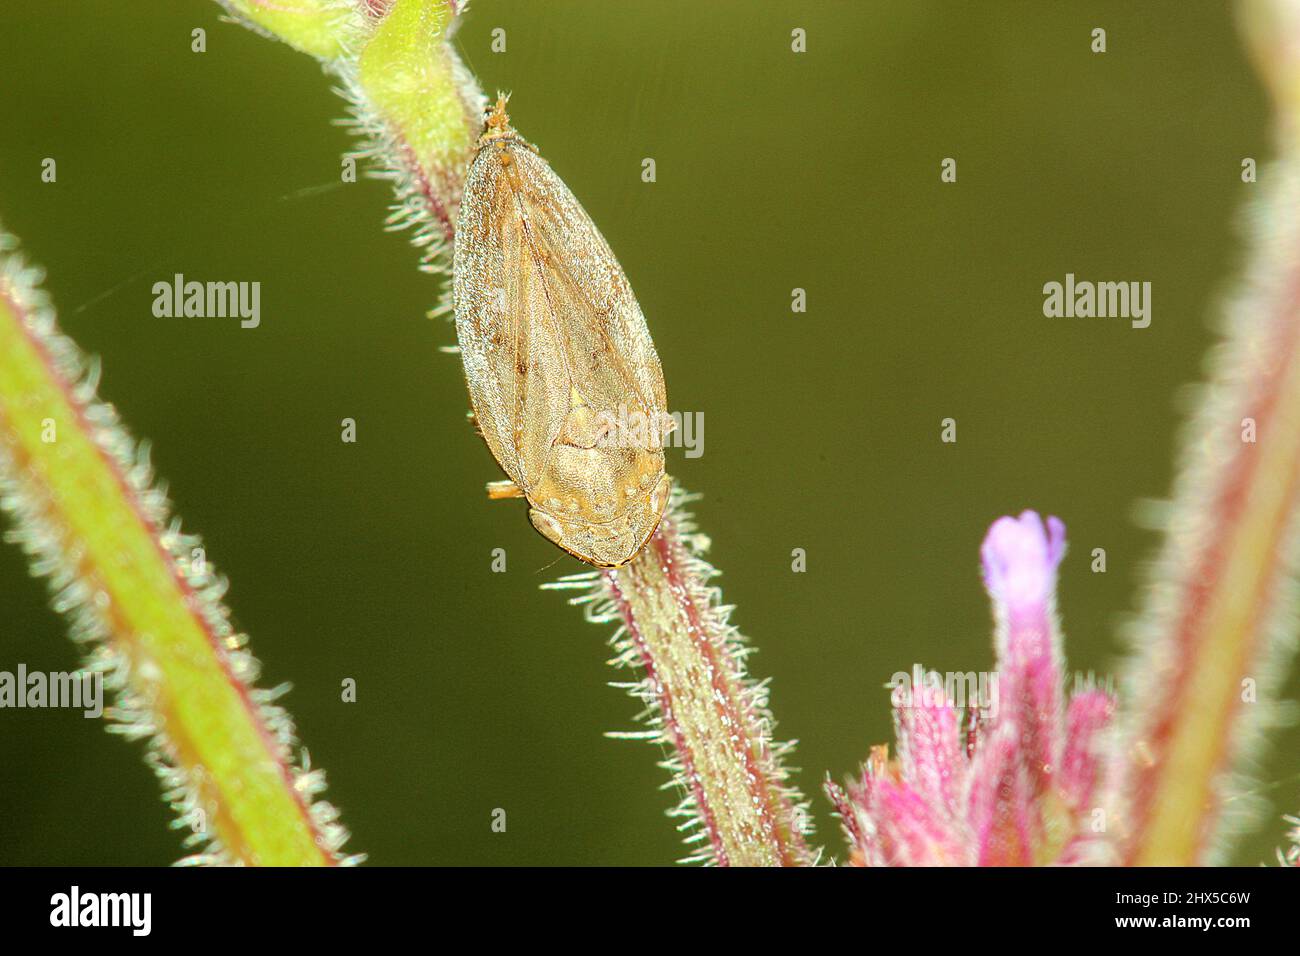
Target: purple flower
(1020, 557)
(1009, 777)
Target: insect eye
(548, 526)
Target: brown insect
(557, 356)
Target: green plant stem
(80, 491)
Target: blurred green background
(774, 171)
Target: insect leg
(503, 489)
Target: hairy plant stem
(1218, 621)
(419, 111)
(701, 704)
(146, 601)
(416, 108)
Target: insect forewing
(614, 360)
(507, 337)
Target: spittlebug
(556, 354)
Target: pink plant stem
(708, 709)
(1213, 635)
